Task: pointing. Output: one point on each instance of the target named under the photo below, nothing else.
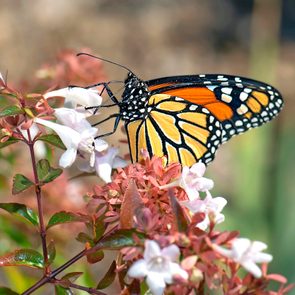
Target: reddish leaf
(131, 204)
(108, 278)
(95, 257)
(288, 288)
(25, 257)
(208, 256)
(224, 237)
(189, 262)
(179, 217)
(197, 218)
(277, 277)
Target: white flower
(192, 181)
(104, 163)
(247, 254)
(77, 135)
(77, 96)
(210, 206)
(158, 266)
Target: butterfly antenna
(106, 60)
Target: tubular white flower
(158, 266)
(192, 181)
(70, 138)
(104, 162)
(77, 96)
(210, 206)
(247, 254)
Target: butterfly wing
(238, 103)
(182, 131)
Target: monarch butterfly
(186, 118)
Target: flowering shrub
(160, 220)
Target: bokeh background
(253, 38)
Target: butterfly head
(135, 98)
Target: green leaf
(21, 210)
(6, 291)
(46, 173)
(51, 252)
(10, 141)
(20, 183)
(25, 257)
(180, 220)
(10, 111)
(59, 290)
(52, 139)
(66, 217)
(120, 239)
(108, 278)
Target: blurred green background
(255, 171)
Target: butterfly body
(186, 118)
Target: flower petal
(100, 145)
(251, 267)
(119, 163)
(204, 224)
(262, 257)
(176, 269)
(76, 96)
(75, 120)
(152, 249)
(68, 158)
(198, 169)
(172, 252)
(220, 202)
(156, 283)
(69, 136)
(239, 247)
(138, 269)
(258, 246)
(104, 171)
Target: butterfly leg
(118, 118)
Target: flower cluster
(77, 134)
(181, 250)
